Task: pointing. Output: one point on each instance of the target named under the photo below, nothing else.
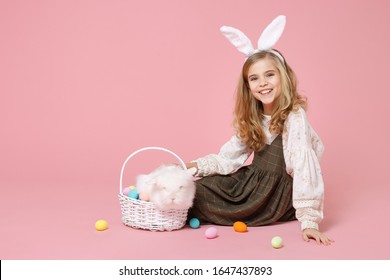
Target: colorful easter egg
(211, 233)
(101, 225)
(143, 196)
(277, 242)
(240, 227)
(133, 194)
(194, 223)
(126, 191)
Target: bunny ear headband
(267, 40)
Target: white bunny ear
(272, 33)
(238, 39)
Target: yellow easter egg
(101, 225)
(240, 227)
(132, 187)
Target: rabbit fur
(168, 187)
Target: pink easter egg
(144, 196)
(211, 233)
(126, 191)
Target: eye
(270, 75)
(253, 79)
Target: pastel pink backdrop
(85, 83)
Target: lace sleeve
(231, 156)
(302, 149)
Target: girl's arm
(231, 156)
(302, 150)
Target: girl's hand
(320, 238)
(191, 165)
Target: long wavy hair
(248, 111)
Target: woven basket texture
(144, 215)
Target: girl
(284, 180)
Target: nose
(263, 83)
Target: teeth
(265, 91)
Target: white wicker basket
(143, 214)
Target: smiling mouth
(265, 91)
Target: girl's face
(264, 83)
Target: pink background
(85, 83)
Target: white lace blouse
(302, 150)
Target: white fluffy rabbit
(168, 187)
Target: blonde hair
(248, 111)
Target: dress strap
(271, 157)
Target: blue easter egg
(194, 223)
(133, 194)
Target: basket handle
(145, 149)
